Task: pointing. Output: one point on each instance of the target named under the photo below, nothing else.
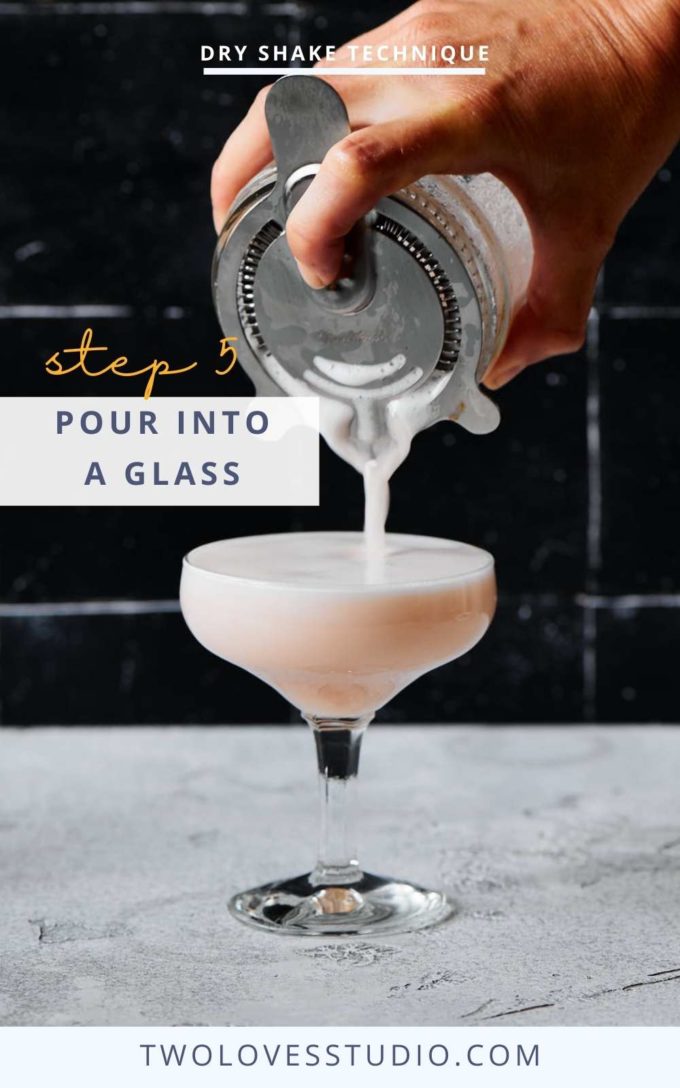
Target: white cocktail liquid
(337, 636)
(373, 434)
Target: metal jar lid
(407, 317)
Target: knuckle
(421, 11)
(357, 156)
(427, 28)
(427, 25)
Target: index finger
(247, 151)
(249, 148)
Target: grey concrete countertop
(560, 846)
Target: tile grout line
(589, 603)
(594, 452)
(56, 609)
(285, 7)
(640, 312)
(32, 311)
(627, 601)
(589, 634)
(294, 30)
(128, 7)
(594, 514)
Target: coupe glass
(338, 651)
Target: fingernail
(311, 277)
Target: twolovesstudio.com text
(347, 1055)
(412, 54)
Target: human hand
(579, 107)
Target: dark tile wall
(640, 454)
(104, 186)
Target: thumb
(365, 166)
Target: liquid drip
(371, 432)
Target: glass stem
(338, 743)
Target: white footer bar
(494, 1055)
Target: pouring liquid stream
(375, 438)
(376, 507)
(375, 443)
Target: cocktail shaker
(431, 280)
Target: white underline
(333, 70)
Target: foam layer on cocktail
(336, 634)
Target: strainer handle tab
(306, 117)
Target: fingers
(553, 319)
(366, 166)
(247, 150)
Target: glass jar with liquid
(433, 277)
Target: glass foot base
(368, 905)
